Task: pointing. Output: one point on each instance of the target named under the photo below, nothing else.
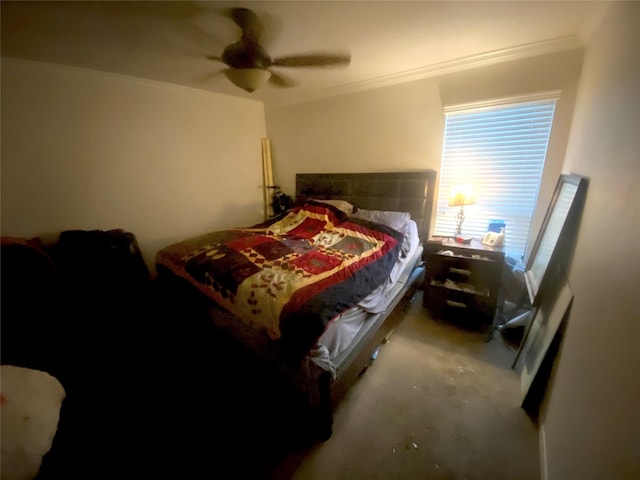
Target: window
(500, 150)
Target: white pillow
(31, 402)
(342, 205)
(395, 220)
(410, 237)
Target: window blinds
(500, 150)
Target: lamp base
(466, 239)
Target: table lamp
(461, 195)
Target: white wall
(393, 128)
(401, 127)
(591, 421)
(88, 150)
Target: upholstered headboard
(407, 191)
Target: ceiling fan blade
(312, 60)
(279, 80)
(248, 21)
(215, 58)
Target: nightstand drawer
(446, 299)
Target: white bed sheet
(344, 328)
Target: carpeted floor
(438, 403)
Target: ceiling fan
(249, 63)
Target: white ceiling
(389, 41)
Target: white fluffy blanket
(30, 410)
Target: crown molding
(467, 63)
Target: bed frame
(407, 191)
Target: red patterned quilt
(292, 276)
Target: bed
(313, 291)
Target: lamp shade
(461, 194)
(249, 79)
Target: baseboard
(542, 439)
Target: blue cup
(496, 225)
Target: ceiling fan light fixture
(249, 79)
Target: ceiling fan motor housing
(244, 55)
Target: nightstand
(462, 281)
